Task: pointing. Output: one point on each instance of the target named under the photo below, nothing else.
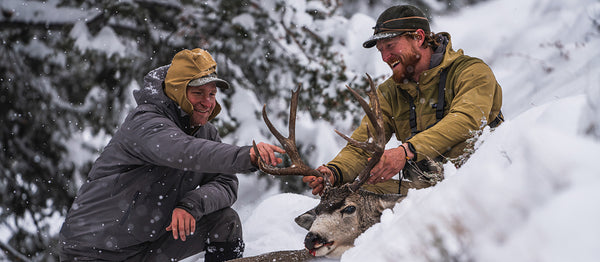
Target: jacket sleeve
(351, 160)
(474, 91)
(219, 191)
(152, 138)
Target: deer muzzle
(313, 242)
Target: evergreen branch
(97, 21)
(13, 253)
(44, 24)
(162, 4)
(37, 225)
(313, 34)
(291, 35)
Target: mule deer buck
(344, 212)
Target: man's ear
(420, 36)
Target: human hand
(182, 224)
(318, 183)
(390, 164)
(267, 153)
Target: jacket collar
(438, 53)
(442, 58)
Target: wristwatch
(412, 149)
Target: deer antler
(374, 144)
(298, 167)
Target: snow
(528, 193)
(38, 11)
(274, 213)
(105, 40)
(51, 12)
(244, 20)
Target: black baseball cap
(397, 20)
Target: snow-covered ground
(528, 193)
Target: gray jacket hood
(152, 93)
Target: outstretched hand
(182, 224)
(267, 153)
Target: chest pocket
(444, 95)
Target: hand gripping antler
(298, 167)
(374, 144)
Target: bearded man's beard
(409, 62)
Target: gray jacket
(154, 163)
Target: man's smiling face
(401, 54)
(203, 99)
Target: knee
(225, 225)
(230, 213)
(225, 215)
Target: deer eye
(348, 210)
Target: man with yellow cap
(433, 102)
(163, 187)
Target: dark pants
(218, 233)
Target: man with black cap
(433, 103)
(163, 187)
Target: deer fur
(332, 229)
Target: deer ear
(389, 201)
(306, 220)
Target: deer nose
(312, 239)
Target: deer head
(346, 211)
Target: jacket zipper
(126, 215)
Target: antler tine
(298, 167)
(293, 110)
(272, 128)
(377, 145)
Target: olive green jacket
(473, 99)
